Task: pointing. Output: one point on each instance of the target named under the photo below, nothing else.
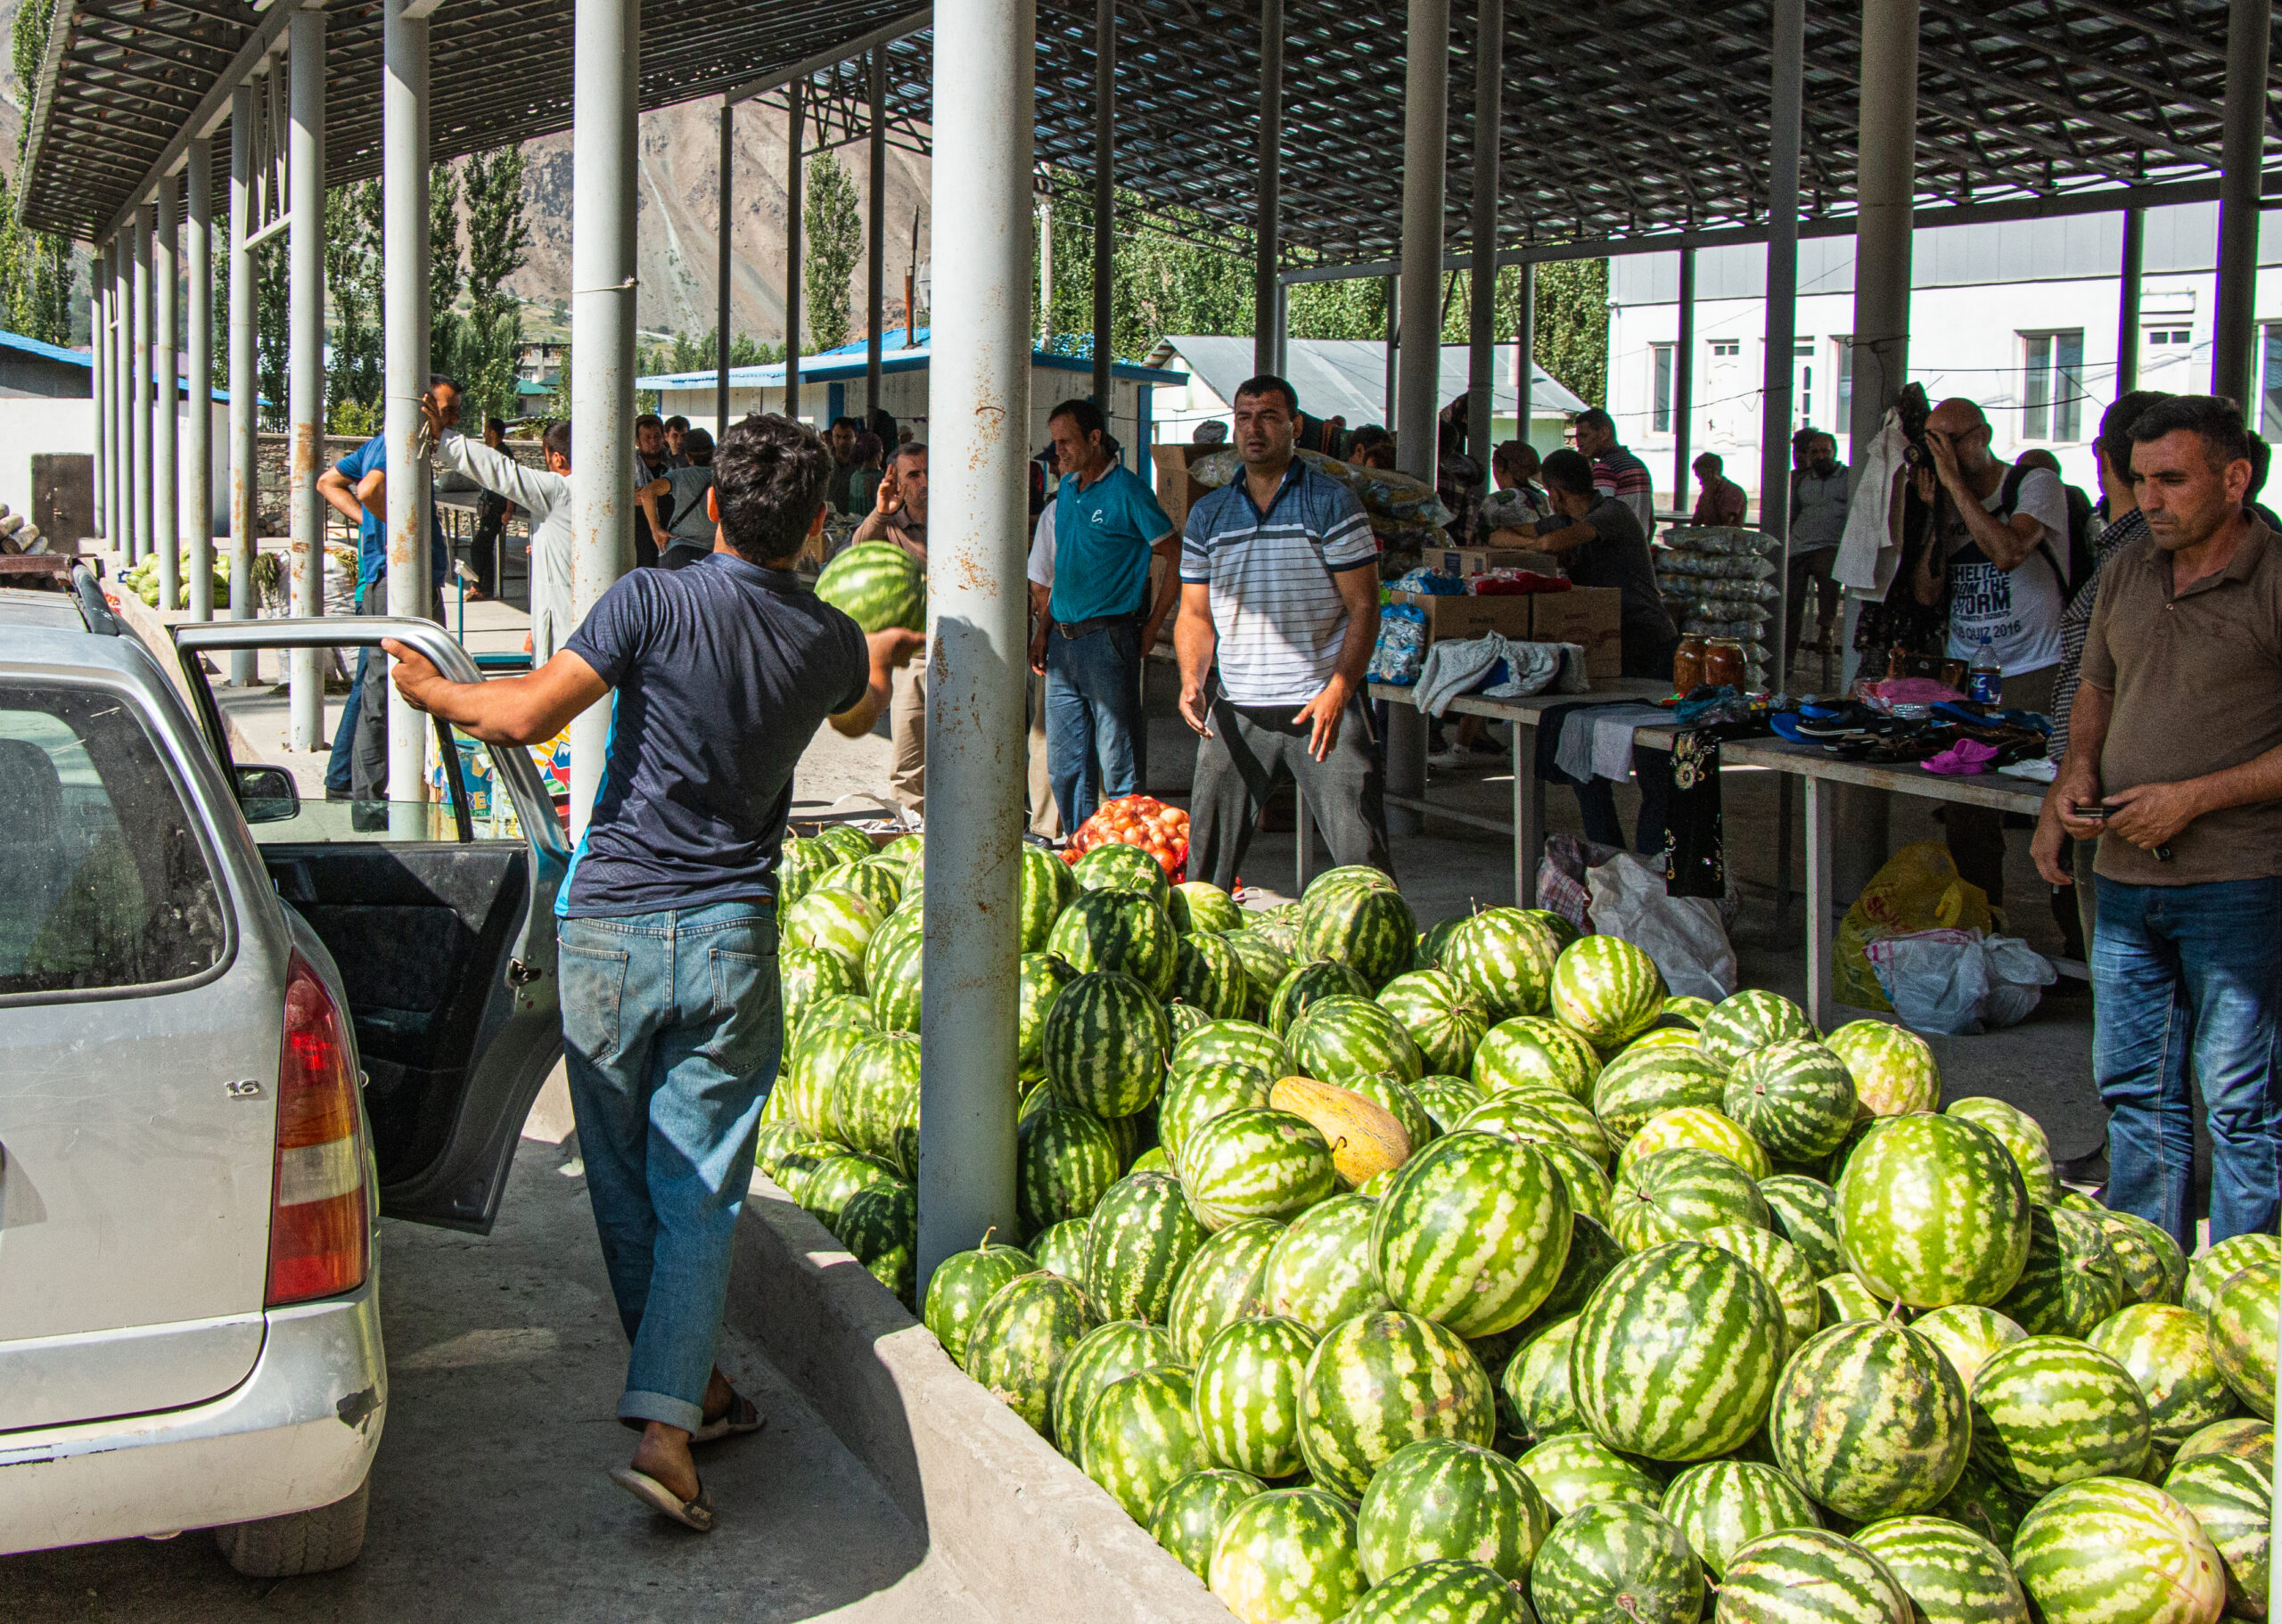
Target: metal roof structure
(847, 361)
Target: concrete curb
(1027, 1532)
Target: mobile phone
(2093, 813)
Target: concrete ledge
(1030, 1535)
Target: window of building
(1844, 419)
(2270, 383)
(2171, 338)
(1802, 384)
(2052, 392)
(1727, 347)
(1660, 396)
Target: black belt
(1075, 630)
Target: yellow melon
(1365, 1138)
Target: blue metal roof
(850, 361)
(78, 358)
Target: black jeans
(1251, 750)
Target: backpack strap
(2008, 496)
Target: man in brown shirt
(2175, 758)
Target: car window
(106, 885)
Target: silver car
(235, 1028)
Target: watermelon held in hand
(1871, 1421)
(1440, 1500)
(877, 584)
(1768, 1580)
(2112, 1550)
(1192, 1513)
(1248, 1386)
(1608, 989)
(1140, 1439)
(1288, 1557)
(1380, 1381)
(1445, 1593)
(1675, 1356)
(2048, 1411)
(961, 1285)
(1931, 1211)
(1721, 1506)
(1618, 1561)
(1102, 1355)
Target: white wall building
(2021, 316)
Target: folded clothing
(1513, 583)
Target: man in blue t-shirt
(1103, 619)
(672, 1026)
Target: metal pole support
(198, 383)
(99, 382)
(2127, 304)
(244, 476)
(404, 365)
(1105, 194)
(165, 375)
(2242, 157)
(1683, 380)
(726, 221)
(876, 231)
(1269, 181)
(1481, 304)
(305, 362)
(1784, 95)
(139, 413)
(794, 102)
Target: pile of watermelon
(1140, 821)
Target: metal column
(721, 287)
(794, 101)
(122, 377)
(2242, 158)
(244, 480)
(606, 59)
(1684, 380)
(1525, 353)
(1269, 180)
(976, 662)
(166, 376)
(305, 362)
(1784, 93)
(876, 231)
(99, 381)
(403, 367)
(1044, 186)
(138, 411)
(1105, 192)
(198, 383)
(1481, 304)
(1394, 346)
(2126, 310)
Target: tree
(36, 268)
(834, 237)
(1573, 325)
(352, 278)
(499, 242)
(271, 302)
(446, 274)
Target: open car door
(441, 915)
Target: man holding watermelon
(672, 1026)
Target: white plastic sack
(1959, 982)
(1683, 934)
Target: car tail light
(320, 1226)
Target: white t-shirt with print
(2018, 610)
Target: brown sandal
(697, 1512)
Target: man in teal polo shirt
(1103, 620)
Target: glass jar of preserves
(1687, 665)
(1723, 662)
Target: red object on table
(1136, 820)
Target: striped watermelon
(1720, 1506)
(1871, 1421)
(1982, 1504)
(2019, 1133)
(2070, 1283)
(1640, 1083)
(1363, 875)
(1306, 983)
(1151, 1161)
(1845, 1299)
(1266, 965)
(1247, 1395)
(1193, 1512)
(1967, 1335)
(2109, 1550)
(1687, 1011)
(1254, 1163)
(1139, 1239)
(2048, 1410)
(1118, 930)
(1541, 1117)
(1433, 940)
(1696, 1128)
(876, 1101)
(1931, 1210)
(2233, 1504)
(1288, 1557)
(1794, 1097)
(1473, 1233)
(1370, 928)
(1507, 956)
(1225, 1281)
(1114, 867)
(1666, 1034)
(1751, 1019)
(1279, 925)
(1018, 1344)
(850, 844)
(1341, 1036)
(2245, 1437)
(810, 1078)
(2210, 1269)
(802, 863)
(1608, 989)
(1676, 1194)
(1535, 1386)
(1105, 1354)
(1380, 1381)
(1675, 1354)
(1784, 1270)
(826, 1192)
(806, 976)
(1066, 1160)
(1954, 1575)
(893, 976)
(879, 1229)
(1440, 1500)
(1048, 887)
(1319, 1271)
(1397, 1098)
(1140, 1439)
(1197, 1095)
(2168, 1352)
(1809, 1573)
(1439, 1012)
(903, 927)
(1200, 907)
(835, 921)
(1445, 1100)
(1591, 1195)
(1239, 1043)
(2242, 1321)
(1445, 1592)
(1061, 1249)
(2153, 1266)
(877, 584)
(1105, 1042)
(881, 886)
(1042, 979)
(1893, 1068)
(1574, 1470)
(1531, 1049)
(908, 850)
(1209, 977)
(961, 1285)
(1804, 1211)
(1593, 1255)
(1617, 1561)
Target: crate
(1590, 617)
(1454, 618)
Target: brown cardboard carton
(1591, 617)
(1479, 561)
(1176, 493)
(1450, 620)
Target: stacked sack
(1719, 581)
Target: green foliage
(687, 354)
(499, 242)
(271, 302)
(1351, 309)
(1573, 325)
(1160, 284)
(352, 279)
(446, 273)
(36, 268)
(833, 234)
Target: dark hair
(557, 439)
(1569, 469)
(1085, 413)
(678, 421)
(2113, 443)
(1268, 383)
(2218, 419)
(499, 423)
(442, 380)
(770, 477)
(883, 423)
(910, 447)
(1517, 458)
(697, 445)
(850, 423)
(649, 420)
(1593, 417)
(1712, 457)
(867, 447)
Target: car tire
(313, 1541)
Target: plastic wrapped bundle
(1720, 567)
(1401, 648)
(1718, 540)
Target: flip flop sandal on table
(697, 1513)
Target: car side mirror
(269, 794)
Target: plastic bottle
(1985, 679)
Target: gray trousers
(368, 765)
(1250, 750)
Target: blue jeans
(1093, 710)
(2188, 978)
(672, 1030)
(337, 769)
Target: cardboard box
(1455, 618)
(1591, 617)
(1176, 493)
(1479, 560)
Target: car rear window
(105, 885)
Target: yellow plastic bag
(1919, 889)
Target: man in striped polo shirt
(1279, 610)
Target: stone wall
(270, 463)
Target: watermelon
(1804, 1211)
(893, 975)
(1607, 989)
(1066, 1160)
(1445, 1592)
(2210, 1269)
(1473, 1233)
(1207, 974)
(1794, 1097)
(1200, 907)
(1664, 1035)
(1675, 1357)
(875, 1103)
(2245, 1437)
(883, 888)
(1288, 1557)
(1445, 1100)
(1225, 1281)
(1846, 1299)
(1617, 1561)
(2048, 1411)
(1679, 1192)
(1048, 887)
(1370, 928)
(2070, 1283)
(1232, 1043)
(904, 927)
(2109, 1550)
(1433, 939)
(1398, 1100)
(1319, 1270)
(1104, 1355)
(1639, 1083)
(1253, 1164)
(1593, 1255)
(835, 921)
(1363, 875)
(1980, 1503)
(1506, 955)
(1043, 977)
(2242, 1322)
(1193, 1510)
(1140, 1439)
(1305, 984)
(1265, 963)
(2233, 1504)
(826, 1192)
(1784, 1270)
(961, 1285)
(1893, 1068)
(1574, 1470)
(1380, 1381)
(1720, 1506)
(1967, 1335)
(2019, 1133)
(1193, 1096)
(1930, 1211)
(847, 843)
(1699, 1127)
(1871, 1421)
(808, 976)
(1104, 1043)
(908, 850)
(804, 861)
(1115, 867)
(2168, 1352)
(1535, 1386)
(1751, 1019)
(1339, 1037)
(1137, 1241)
(877, 584)
(1689, 1011)
(1118, 930)
(1247, 1395)
(1530, 1049)
(1541, 1117)
(1440, 1500)
(1809, 1573)
(1439, 1012)
(1061, 1249)
(2154, 1268)
(1018, 1344)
